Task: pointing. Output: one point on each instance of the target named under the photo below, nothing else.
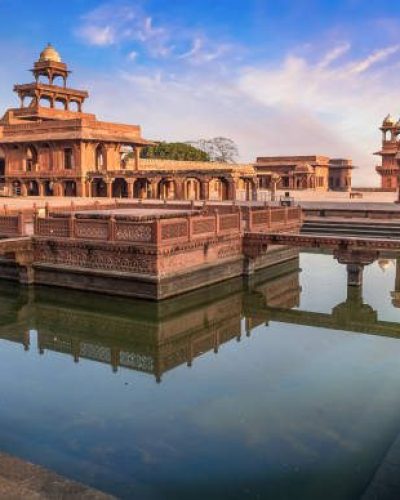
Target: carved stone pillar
(41, 188)
(179, 189)
(154, 188)
(355, 261)
(109, 184)
(137, 157)
(205, 189)
(231, 190)
(24, 190)
(130, 183)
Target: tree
(175, 151)
(219, 149)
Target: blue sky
(279, 77)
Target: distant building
(304, 172)
(390, 153)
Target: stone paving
(20, 480)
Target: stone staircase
(366, 229)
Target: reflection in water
(299, 410)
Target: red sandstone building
(390, 154)
(304, 172)
(50, 146)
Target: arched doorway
(69, 188)
(100, 158)
(48, 188)
(166, 189)
(99, 188)
(33, 188)
(30, 159)
(192, 189)
(120, 188)
(141, 188)
(2, 165)
(16, 188)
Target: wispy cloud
(118, 23)
(293, 105)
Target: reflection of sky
(291, 412)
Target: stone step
(351, 232)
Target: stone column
(41, 188)
(355, 274)
(130, 183)
(205, 190)
(24, 190)
(80, 188)
(355, 261)
(154, 188)
(231, 190)
(109, 188)
(137, 157)
(179, 194)
(254, 190)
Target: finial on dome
(49, 53)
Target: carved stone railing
(12, 225)
(165, 229)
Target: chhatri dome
(49, 54)
(389, 121)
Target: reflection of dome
(304, 169)
(49, 54)
(384, 264)
(389, 121)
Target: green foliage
(174, 151)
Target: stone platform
(20, 480)
(147, 251)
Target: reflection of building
(157, 337)
(305, 172)
(50, 146)
(390, 153)
(144, 336)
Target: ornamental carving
(133, 232)
(204, 226)
(96, 257)
(174, 230)
(92, 230)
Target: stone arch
(69, 188)
(60, 103)
(166, 189)
(31, 158)
(191, 188)
(55, 80)
(45, 101)
(33, 188)
(48, 188)
(219, 189)
(120, 188)
(75, 106)
(16, 186)
(141, 188)
(2, 164)
(100, 156)
(99, 188)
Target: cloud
(201, 88)
(122, 23)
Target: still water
(287, 387)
